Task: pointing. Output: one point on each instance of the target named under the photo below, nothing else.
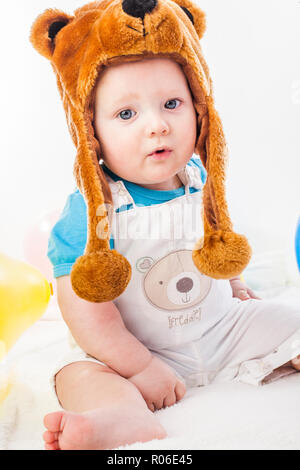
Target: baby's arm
(100, 331)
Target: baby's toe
(50, 437)
(53, 446)
(52, 421)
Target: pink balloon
(35, 244)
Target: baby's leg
(103, 411)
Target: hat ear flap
(100, 274)
(221, 254)
(45, 28)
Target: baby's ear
(45, 28)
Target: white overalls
(187, 319)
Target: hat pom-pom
(100, 276)
(222, 255)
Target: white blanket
(220, 416)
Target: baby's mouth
(160, 150)
(160, 154)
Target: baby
(111, 390)
(138, 99)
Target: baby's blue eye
(125, 110)
(170, 101)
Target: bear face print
(173, 282)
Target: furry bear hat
(112, 32)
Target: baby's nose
(137, 8)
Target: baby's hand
(158, 384)
(241, 291)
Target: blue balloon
(297, 243)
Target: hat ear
(45, 28)
(195, 15)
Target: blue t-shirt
(69, 235)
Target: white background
(252, 49)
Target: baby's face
(140, 106)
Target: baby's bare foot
(100, 429)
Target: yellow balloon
(5, 389)
(24, 296)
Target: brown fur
(100, 34)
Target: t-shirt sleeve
(196, 161)
(68, 236)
